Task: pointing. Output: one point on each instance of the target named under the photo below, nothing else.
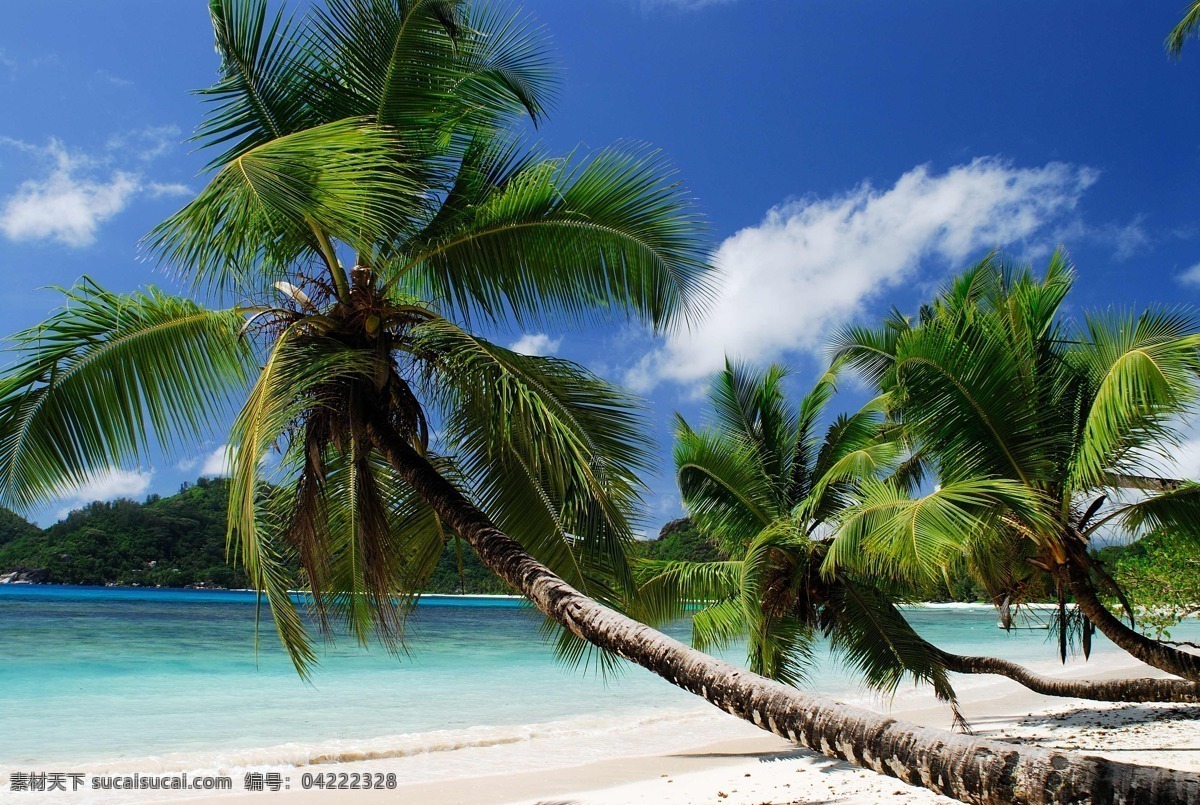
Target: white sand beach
(750, 767)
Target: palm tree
(1037, 429)
(769, 491)
(372, 421)
(764, 484)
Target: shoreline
(747, 766)
(447, 596)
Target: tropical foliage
(1160, 575)
(174, 541)
(766, 483)
(179, 541)
(382, 134)
(1043, 431)
(1184, 30)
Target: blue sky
(848, 155)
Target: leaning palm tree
(1042, 433)
(766, 488)
(765, 485)
(371, 420)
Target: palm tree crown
(1035, 425)
(381, 130)
(766, 484)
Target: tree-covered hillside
(175, 541)
(179, 541)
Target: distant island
(179, 541)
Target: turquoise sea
(137, 676)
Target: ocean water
(163, 679)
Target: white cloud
(109, 484)
(161, 189)
(64, 208)
(536, 344)
(216, 463)
(80, 192)
(1185, 460)
(812, 264)
(1129, 240)
(1190, 276)
(146, 143)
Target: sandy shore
(752, 767)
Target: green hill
(179, 541)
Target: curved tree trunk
(966, 768)
(1166, 658)
(1147, 689)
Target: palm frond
(966, 394)
(870, 351)
(750, 407)
(257, 217)
(93, 384)
(807, 442)
(1185, 29)
(889, 534)
(854, 447)
(276, 405)
(871, 635)
(260, 95)
(670, 589)
(1143, 374)
(507, 59)
(1176, 511)
(722, 487)
(429, 66)
(626, 229)
(552, 452)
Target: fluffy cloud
(536, 344)
(110, 484)
(1190, 276)
(78, 194)
(216, 463)
(812, 264)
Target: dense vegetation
(1160, 576)
(179, 541)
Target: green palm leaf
(93, 384)
(1143, 372)
(626, 230)
(889, 534)
(428, 66)
(552, 451)
(668, 590)
(260, 95)
(1186, 28)
(874, 637)
(722, 487)
(278, 202)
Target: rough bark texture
(1145, 483)
(1152, 652)
(964, 767)
(1145, 689)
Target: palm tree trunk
(1145, 689)
(1152, 652)
(964, 767)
